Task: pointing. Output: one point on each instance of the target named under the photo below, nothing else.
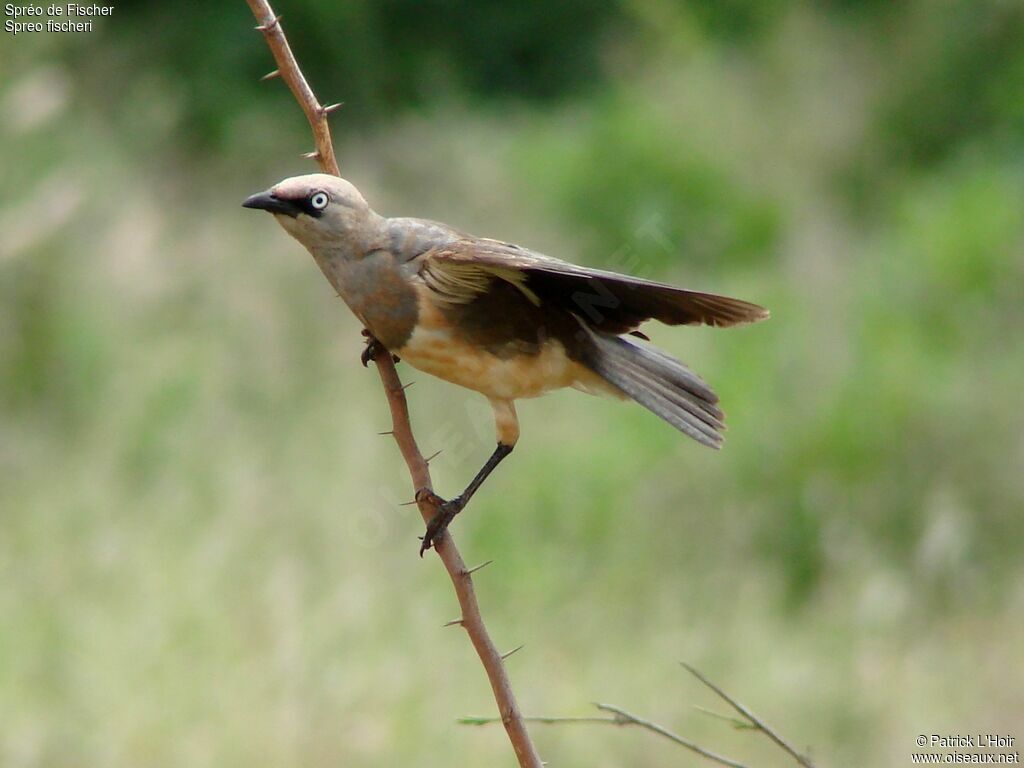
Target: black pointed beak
(268, 201)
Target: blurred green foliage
(204, 560)
(378, 56)
(627, 176)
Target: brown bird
(498, 318)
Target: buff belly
(435, 346)
(439, 353)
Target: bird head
(318, 210)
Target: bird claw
(444, 513)
(372, 349)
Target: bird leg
(447, 510)
(373, 347)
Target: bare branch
(526, 753)
(544, 720)
(461, 578)
(755, 722)
(288, 69)
(622, 717)
(619, 717)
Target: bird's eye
(319, 200)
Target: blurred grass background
(202, 557)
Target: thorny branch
(471, 620)
(620, 716)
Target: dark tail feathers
(661, 384)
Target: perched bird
(498, 318)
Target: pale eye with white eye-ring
(319, 200)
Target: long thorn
(454, 622)
(269, 25)
(325, 111)
(314, 155)
(270, 75)
(389, 432)
(433, 456)
(514, 650)
(475, 568)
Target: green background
(203, 560)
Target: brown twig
(543, 720)
(755, 722)
(419, 471)
(619, 717)
(622, 717)
(288, 70)
(461, 576)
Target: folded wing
(607, 301)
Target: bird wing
(460, 271)
(457, 280)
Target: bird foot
(445, 511)
(373, 348)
